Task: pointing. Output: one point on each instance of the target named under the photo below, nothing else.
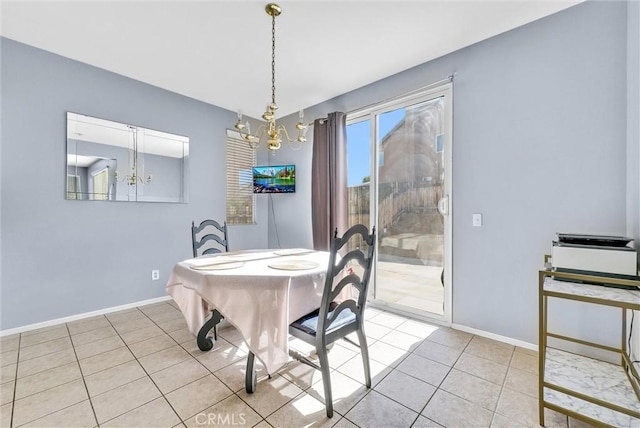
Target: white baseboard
(460, 327)
(81, 316)
(497, 337)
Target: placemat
(294, 265)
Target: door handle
(443, 205)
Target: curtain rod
(412, 92)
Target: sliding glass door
(400, 180)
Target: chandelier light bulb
(239, 125)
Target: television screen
(274, 179)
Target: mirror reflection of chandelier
(272, 132)
(134, 178)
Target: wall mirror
(111, 161)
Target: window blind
(241, 201)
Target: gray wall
(539, 147)
(633, 121)
(62, 258)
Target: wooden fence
(358, 211)
(395, 199)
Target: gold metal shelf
(568, 382)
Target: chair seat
(309, 322)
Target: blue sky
(358, 147)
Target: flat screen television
(274, 179)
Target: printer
(613, 255)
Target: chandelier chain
(273, 58)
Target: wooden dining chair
(209, 230)
(206, 231)
(335, 319)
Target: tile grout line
(303, 391)
(84, 382)
(42, 343)
(190, 355)
(449, 371)
(369, 389)
(213, 374)
(15, 383)
(143, 369)
(502, 385)
(53, 387)
(48, 389)
(513, 350)
(77, 361)
(410, 352)
(233, 393)
(384, 377)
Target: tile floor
(141, 368)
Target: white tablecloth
(260, 301)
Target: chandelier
(272, 132)
(133, 178)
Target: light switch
(477, 220)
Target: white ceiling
(220, 51)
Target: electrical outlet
(477, 220)
(155, 274)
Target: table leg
(250, 378)
(204, 341)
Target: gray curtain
(329, 197)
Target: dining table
(259, 292)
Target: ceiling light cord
(275, 222)
(273, 58)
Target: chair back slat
(351, 279)
(360, 229)
(356, 255)
(215, 232)
(211, 237)
(211, 251)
